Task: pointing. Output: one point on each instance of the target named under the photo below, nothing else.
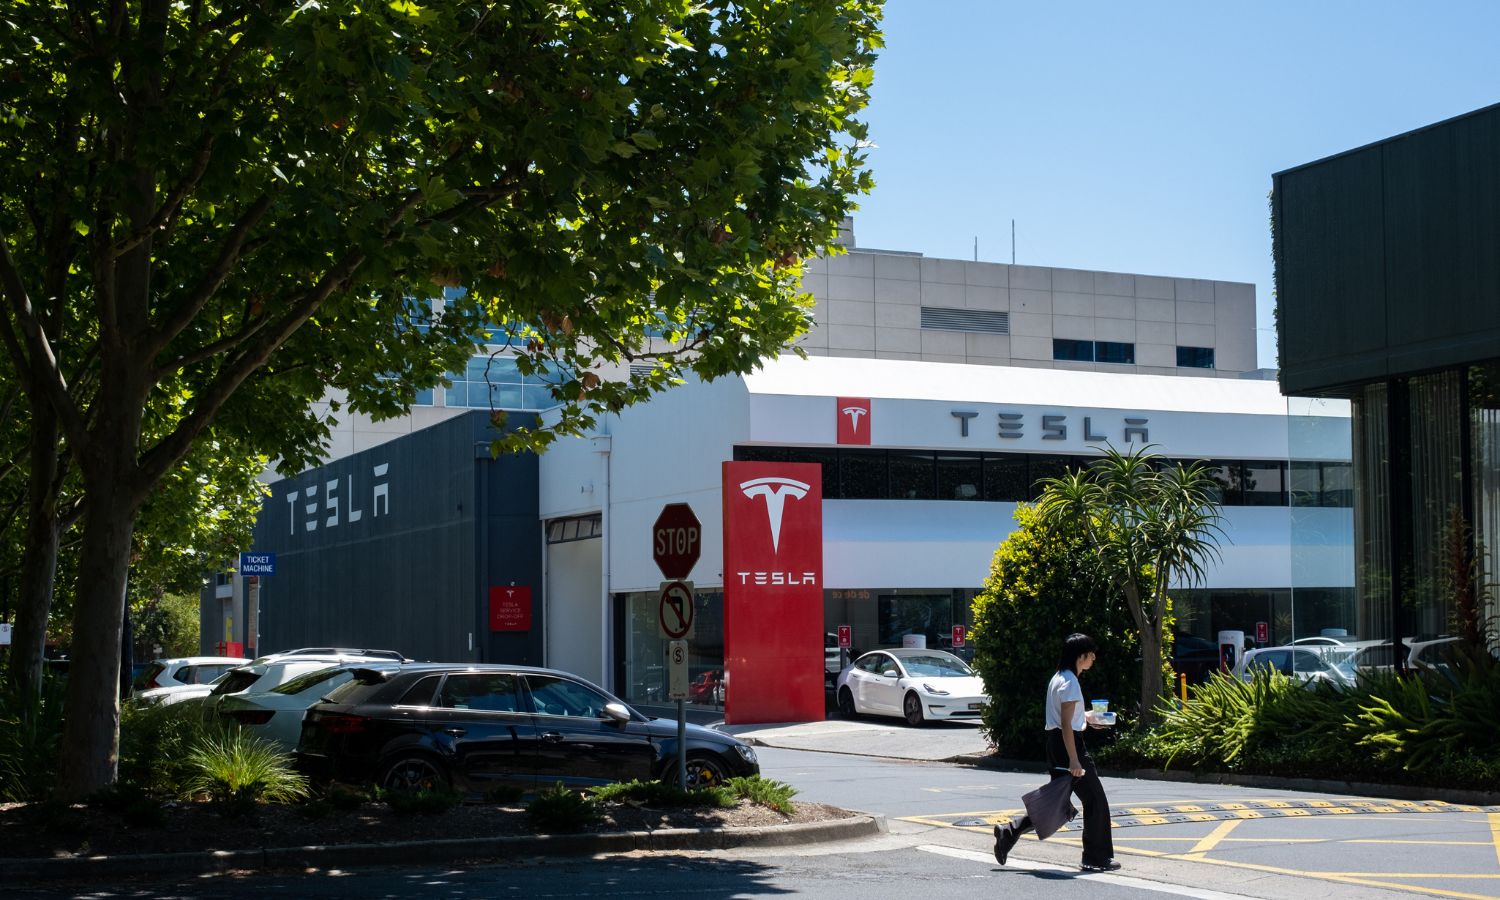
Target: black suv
(473, 727)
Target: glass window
(1050, 467)
(484, 691)
(1114, 352)
(1069, 349)
(1263, 484)
(310, 680)
(420, 694)
(1005, 477)
(869, 663)
(863, 475)
(553, 696)
(1226, 474)
(959, 476)
(1195, 357)
(936, 665)
(912, 475)
(1338, 484)
(1305, 481)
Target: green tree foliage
(1044, 585)
(1152, 525)
(213, 212)
(170, 622)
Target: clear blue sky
(1142, 136)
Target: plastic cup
(1100, 706)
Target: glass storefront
(642, 651)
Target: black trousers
(1098, 842)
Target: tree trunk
(39, 564)
(1151, 684)
(90, 743)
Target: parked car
(1194, 656)
(1310, 664)
(707, 688)
(183, 671)
(276, 715)
(915, 684)
(1422, 652)
(259, 675)
(473, 727)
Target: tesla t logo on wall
(775, 489)
(854, 420)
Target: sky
(1142, 136)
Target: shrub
(237, 771)
(156, 744)
(422, 801)
(775, 795)
(345, 797)
(505, 794)
(560, 809)
(1043, 585)
(30, 733)
(660, 795)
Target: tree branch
(30, 350)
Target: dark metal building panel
(380, 549)
(1388, 257)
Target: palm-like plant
(1153, 524)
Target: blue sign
(257, 564)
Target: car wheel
(702, 771)
(414, 772)
(913, 709)
(846, 704)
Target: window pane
(959, 476)
(862, 475)
(1264, 484)
(1226, 474)
(912, 475)
(1005, 478)
(1051, 467)
(1067, 348)
(1305, 482)
(1338, 485)
(1195, 357)
(1113, 352)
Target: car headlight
(932, 690)
(747, 752)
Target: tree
(1152, 525)
(214, 211)
(1044, 585)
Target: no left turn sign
(675, 611)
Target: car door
(885, 687)
(862, 680)
(577, 743)
(480, 723)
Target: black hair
(1075, 646)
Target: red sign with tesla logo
(510, 609)
(773, 592)
(854, 420)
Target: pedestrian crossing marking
(1128, 816)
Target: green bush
(766, 792)
(660, 795)
(345, 797)
(558, 809)
(238, 771)
(1044, 585)
(156, 744)
(423, 801)
(30, 734)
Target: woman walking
(1065, 725)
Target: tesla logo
(775, 490)
(854, 420)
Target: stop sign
(676, 540)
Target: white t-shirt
(1064, 686)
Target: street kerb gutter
(14, 871)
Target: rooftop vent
(937, 318)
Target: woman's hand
(1075, 769)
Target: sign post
(677, 689)
(676, 542)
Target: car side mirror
(616, 712)
(891, 674)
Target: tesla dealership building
(866, 486)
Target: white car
(183, 671)
(915, 684)
(1311, 664)
(276, 715)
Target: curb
(526, 846)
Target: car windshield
(310, 680)
(236, 680)
(936, 665)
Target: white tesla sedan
(915, 684)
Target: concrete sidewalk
(886, 738)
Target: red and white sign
(846, 637)
(854, 420)
(675, 610)
(510, 608)
(959, 635)
(676, 540)
(773, 591)
(1262, 633)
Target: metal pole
(682, 743)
